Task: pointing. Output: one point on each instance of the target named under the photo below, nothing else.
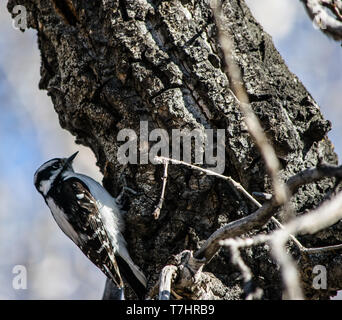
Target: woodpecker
(91, 218)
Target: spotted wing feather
(93, 239)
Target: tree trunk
(109, 65)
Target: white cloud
(276, 16)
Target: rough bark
(108, 65)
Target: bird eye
(55, 166)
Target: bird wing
(93, 238)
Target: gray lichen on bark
(108, 65)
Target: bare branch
(192, 264)
(335, 6)
(165, 282)
(331, 26)
(246, 242)
(313, 174)
(288, 267)
(237, 260)
(264, 213)
(235, 245)
(322, 249)
(278, 240)
(326, 215)
(235, 229)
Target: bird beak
(70, 160)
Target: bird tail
(112, 291)
(122, 294)
(133, 275)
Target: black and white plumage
(91, 218)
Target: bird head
(48, 172)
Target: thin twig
(234, 246)
(231, 181)
(156, 211)
(264, 213)
(288, 267)
(324, 216)
(246, 242)
(322, 249)
(312, 175)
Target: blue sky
(30, 134)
